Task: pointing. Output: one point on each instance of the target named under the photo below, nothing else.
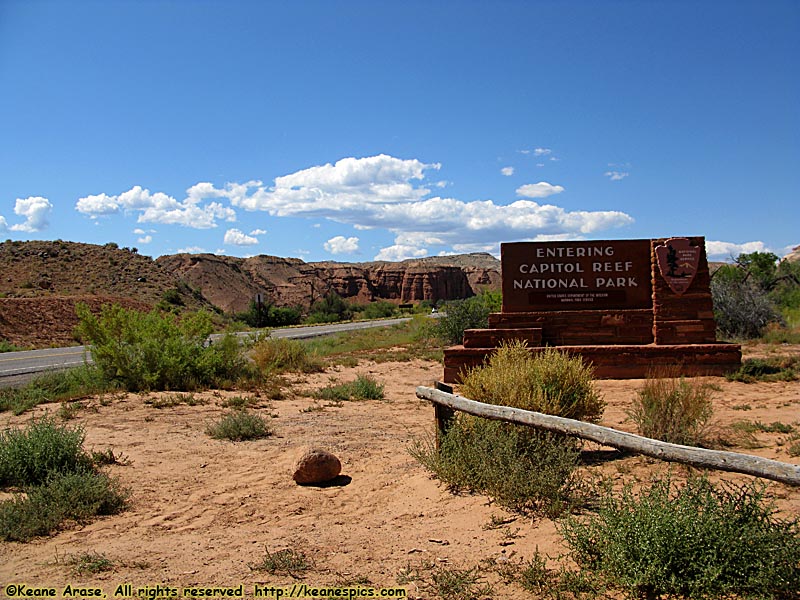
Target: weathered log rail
(697, 457)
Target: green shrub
(30, 456)
(76, 496)
(777, 368)
(550, 382)
(447, 582)
(673, 410)
(238, 426)
(172, 296)
(521, 468)
(694, 541)
(378, 310)
(363, 387)
(6, 346)
(758, 426)
(281, 355)
(18, 400)
(472, 313)
(90, 562)
(49, 463)
(153, 351)
(451, 583)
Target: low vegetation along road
(18, 367)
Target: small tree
(330, 309)
(761, 267)
(741, 309)
(266, 314)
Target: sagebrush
(58, 478)
(696, 540)
(239, 425)
(522, 469)
(29, 456)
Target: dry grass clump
(279, 355)
(673, 409)
(549, 382)
(364, 387)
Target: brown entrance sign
(678, 261)
(542, 276)
(627, 307)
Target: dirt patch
(205, 511)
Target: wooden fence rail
(696, 457)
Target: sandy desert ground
(204, 512)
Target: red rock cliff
(231, 283)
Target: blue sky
(353, 131)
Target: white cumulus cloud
(539, 190)
(376, 192)
(98, 205)
(342, 245)
(507, 171)
(36, 211)
(725, 250)
(542, 151)
(160, 207)
(453, 222)
(234, 237)
(344, 189)
(616, 175)
(400, 252)
(3, 223)
(145, 239)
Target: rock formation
(794, 255)
(232, 283)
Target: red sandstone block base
(491, 338)
(620, 362)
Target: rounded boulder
(316, 466)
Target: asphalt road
(18, 367)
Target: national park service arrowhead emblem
(677, 261)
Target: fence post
(443, 414)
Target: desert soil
(205, 512)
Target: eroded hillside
(42, 281)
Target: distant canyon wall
(232, 283)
